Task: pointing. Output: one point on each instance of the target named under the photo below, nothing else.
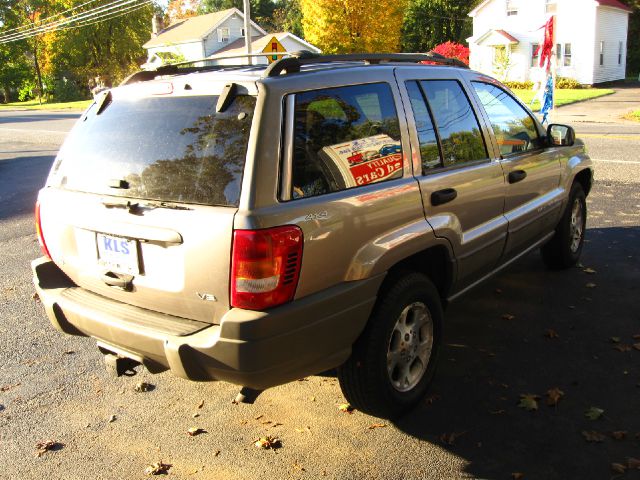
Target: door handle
(119, 280)
(441, 197)
(517, 176)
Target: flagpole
(554, 64)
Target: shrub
(567, 83)
(528, 85)
(27, 90)
(453, 50)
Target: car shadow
(20, 180)
(526, 332)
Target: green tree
(633, 42)
(428, 23)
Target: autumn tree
(179, 9)
(349, 26)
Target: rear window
(173, 149)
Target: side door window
(344, 137)
(515, 130)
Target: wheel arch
(585, 179)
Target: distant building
(591, 38)
(214, 35)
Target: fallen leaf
(277, 424)
(258, 417)
(193, 431)
(590, 271)
(553, 396)
(633, 463)
(619, 434)
(195, 415)
(497, 412)
(517, 476)
(298, 467)
(550, 333)
(431, 398)
(593, 413)
(35, 297)
(6, 388)
(450, 438)
(143, 387)
(112, 418)
(216, 453)
(302, 430)
(377, 425)
(69, 352)
(158, 468)
(615, 339)
(623, 347)
(636, 346)
(591, 285)
(508, 316)
(618, 468)
(345, 407)
(593, 436)
(201, 404)
(312, 398)
(529, 401)
(268, 443)
(46, 446)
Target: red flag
(547, 45)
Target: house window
(535, 55)
(242, 32)
(620, 50)
(558, 53)
(512, 8)
(567, 55)
(550, 6)
(602, 53)
(223, 34)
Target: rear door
(462, 187)
(532, 172)
(140, 201)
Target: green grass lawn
(34, 105)
(633, 116)
(564, 97)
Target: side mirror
(560, 135)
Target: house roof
(258, 44)
(194, 29)
(496, 37)
(602, 3)
(614, 4)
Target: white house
(208, 35)
(591, 38)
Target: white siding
(235, 23)
(611, 27)
(190, 51)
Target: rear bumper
(253, 349)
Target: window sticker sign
(366, 160)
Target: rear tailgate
(140, 202)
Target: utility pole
(247, 29)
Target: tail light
(43, 245)
(265, 266)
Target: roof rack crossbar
(292, 64)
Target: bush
(528, 85)
(453, 50)
(567, 83)
(27, 90)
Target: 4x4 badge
(207, 297)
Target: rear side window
(456, 122)
(174, 149)
(345, 137)
(513, 127)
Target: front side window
(345, 137)
(457, 125)
(513, 127)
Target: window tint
(513, 127)
(429, 151)
(345, 137)
(457, 124)
(165, 148)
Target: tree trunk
(38, 74)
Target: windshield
(172, 149)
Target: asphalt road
(54, 387)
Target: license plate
(118, 254)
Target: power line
(22, 27)
(92, 14)
(129, 9)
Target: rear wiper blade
(135, 207)
(172, 206)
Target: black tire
(365, 378)
(562, 251)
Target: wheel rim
(410, 347)
(577, 225)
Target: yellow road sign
(274, 46)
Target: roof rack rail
(292, 63)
